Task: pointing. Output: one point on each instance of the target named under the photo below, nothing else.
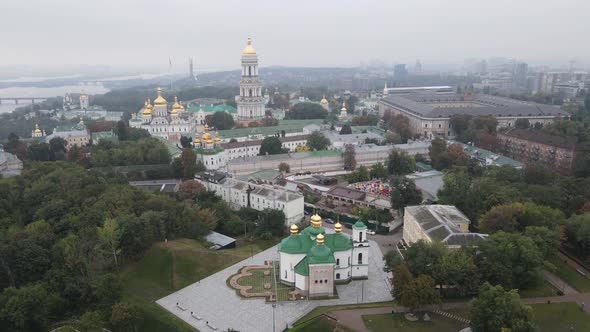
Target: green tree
(317, 141)
(284, 167)
(401, 278)
(535, 173)
(110, 236)
(378, 171)
(349, 157)
(400, 163)
(27, 308)
(185, 142)
(91, 321)
(418, 292)
(359, 175)
(190, 189)
(522, 123)
(578, 235)
(346, 129)
(547, 240)
(496, 309)
(404, 193)
(220, 120)
(125, 317)
(271, 145)
(188, 160)
(509, 259)
(303, 111)
(271, 221)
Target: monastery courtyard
(215, 303)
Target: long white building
(218, 158)
(241, 194)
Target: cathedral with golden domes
(251, 101)
(314, 261)
(170, 122)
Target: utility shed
(220, 241)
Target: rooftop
(211, 108)
(347, 193)
(442, 223)
(263, 174)
(432, 105)
(219, 240)
(235, 145)
(539, 136)
(289, 126)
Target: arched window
(285, 274)
(249, 71)
(337, 275)
(338, 261)
(360, 258)
(360, 236)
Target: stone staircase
(451, 316)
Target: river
(9, 105)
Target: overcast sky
(291, 32)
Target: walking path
(352, 318)
(559, 284)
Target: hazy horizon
(305, 33)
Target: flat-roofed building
(429, 113)
(537, 146)
(438, 223)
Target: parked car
(307, 213)
(370, 232)
(329, 221)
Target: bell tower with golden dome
(250, 102)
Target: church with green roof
(314, 262)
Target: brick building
(529, 145)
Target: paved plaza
(214, 302)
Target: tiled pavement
(213, 301)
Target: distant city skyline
(304, 33)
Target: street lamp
(274, 305)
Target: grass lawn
(397, 322)
(168, 267)
(557, 317)
(570, 275)
(543, 290)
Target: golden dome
(319, 239)
(197, 140)
(324, 100)
(147, 108)
(177, 106)
(217, 139)
(294, 229)
(159, 101)
(206, 136)
(316, 220)
(338, 227)
(37, 131)
(343, 109)
(249, 50)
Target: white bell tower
(250, 102)
(360, 251)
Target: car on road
(329, 221)
(371, 232)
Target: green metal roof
(423, 166)
(302, 243)
(324, 153)
(212, 108)
(320, 254)
(359, 225)
(109, 135)
(289, 126)
(302, 268)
